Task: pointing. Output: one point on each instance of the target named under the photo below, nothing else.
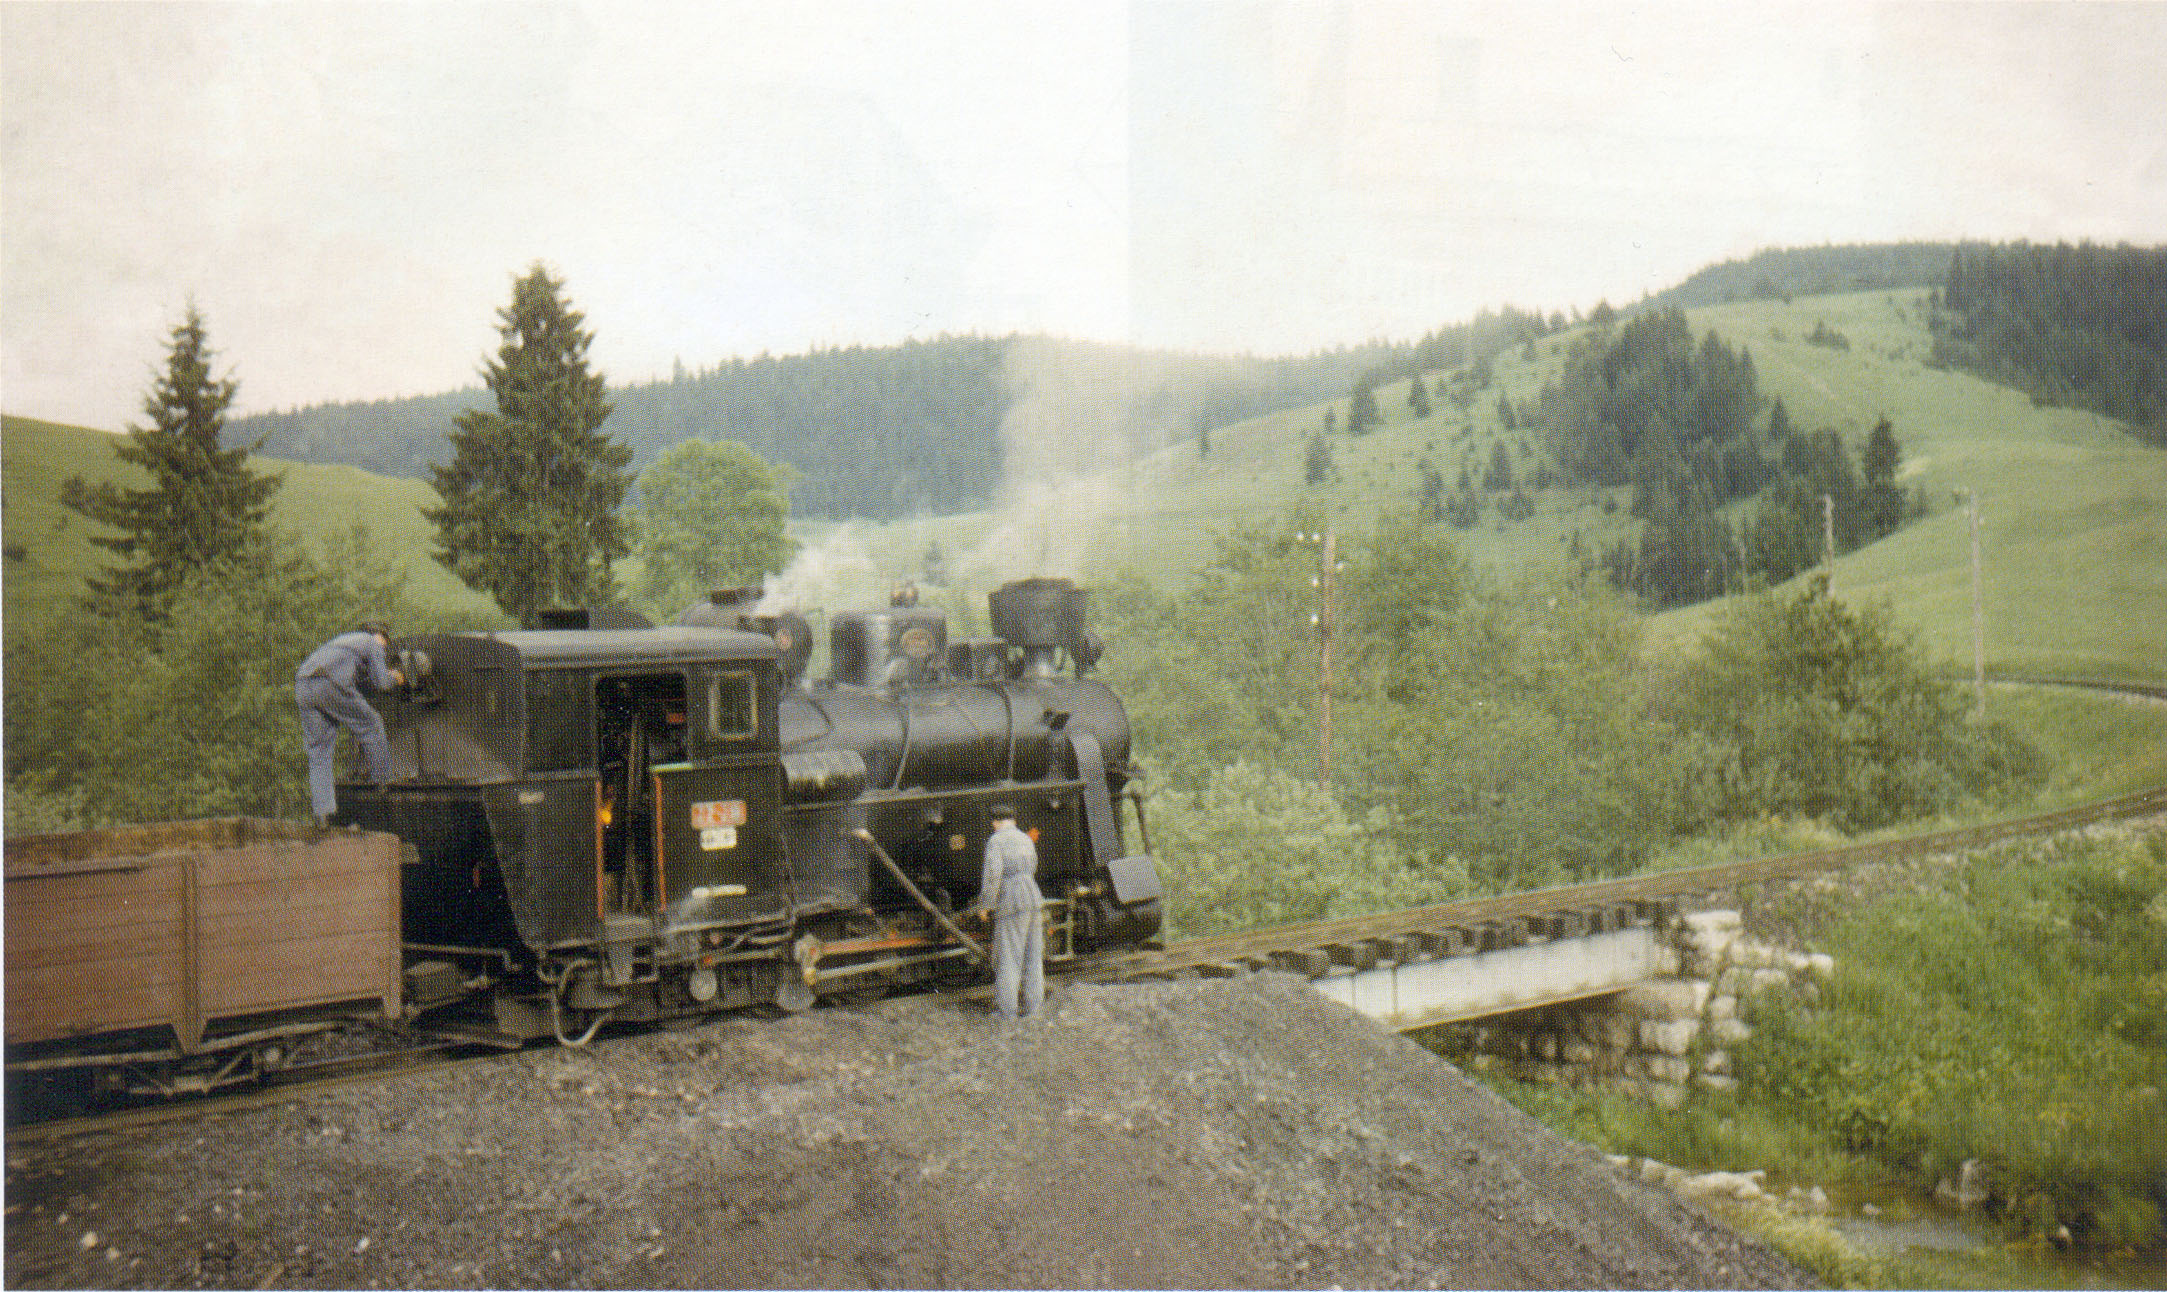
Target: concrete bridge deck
(1424, 993)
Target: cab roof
(627, 647)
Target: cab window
(733, 711)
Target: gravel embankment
(1241, 1133)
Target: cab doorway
(639, 725)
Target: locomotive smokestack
(1042, 617)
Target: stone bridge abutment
(1662, 1037)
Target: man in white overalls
(1009, 890)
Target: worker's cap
(1003, 812)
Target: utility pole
(1828, 540)
(1978, 608)
(1327, 621)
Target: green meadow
(2074, 510)
(49, 552)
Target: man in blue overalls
(1009, 890)
(327, 692)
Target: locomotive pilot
(327, 691)
(1008, 891)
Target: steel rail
(279, 1086)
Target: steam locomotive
(606, 820)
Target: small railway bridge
(1462, 960)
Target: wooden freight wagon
(190, 954)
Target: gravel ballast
(1239, 1133)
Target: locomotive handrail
(1008, 710)
(902, 757)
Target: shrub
(1254, 847)
(113, 718)
(2010, 1014)
(1814, 709)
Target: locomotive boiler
(610, 821)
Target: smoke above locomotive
(615, 821)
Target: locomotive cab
(589, 805)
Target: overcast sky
(348, 190)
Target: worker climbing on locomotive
(327, 692)
(1009, 893)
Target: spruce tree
(1362, 412)
(531, 495)
(1317, 461)
(204, 503)
(1883, 498)
(1430, 503)
(1499, 476)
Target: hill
(881, 431)
(2074, 508)
(1782, 273)
(48, 549)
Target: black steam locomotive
(612, 821)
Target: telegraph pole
(1327, 621)
(1978, 609)
(1828, 540)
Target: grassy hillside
(2075, 533)
(48, 549)
(2074, 510)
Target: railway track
(1400, 937)
(1517, 919)
(270, 1088)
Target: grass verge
(2007, 1008)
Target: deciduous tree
(712, 514)
(1815, 709)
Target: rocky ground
(1240, 1133)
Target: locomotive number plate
(717, 813)
(717, 837)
